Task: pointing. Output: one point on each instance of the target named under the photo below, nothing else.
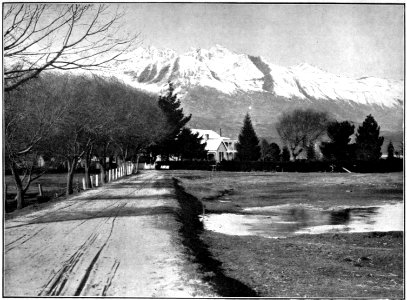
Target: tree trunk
(119, 161)
(71, 172)
(88, 182)
(19, 187)
(110, 162)
(102, 173)
(20, 198)
(137, 162)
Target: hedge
(379, 166)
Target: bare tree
(30, 114)
(300, 129)
(38, 37)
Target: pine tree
(265, 150)
(275, 152)
(248, 148)
(390, 151)
(170, 106)
(189, 145)
(338, 148)
(368, 141)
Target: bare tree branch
(40, 37)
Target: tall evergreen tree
(176, 120)
(189, 145)
(174, 114)
(390, 151)
(338, 148)
(368, 141)
(275, 152)
(248, 148)
(265, 150)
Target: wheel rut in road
(119, 240)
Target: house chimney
(220, 131)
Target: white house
(219, 148)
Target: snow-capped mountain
(230, 72)
(219, 86)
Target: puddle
(286, 220)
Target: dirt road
(118, 240)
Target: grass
(325, 265)
(322, 190)
(51, 184)
(328, 265)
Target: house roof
(213, 144)
(211, 134)
(213, 141)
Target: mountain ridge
(218, 87)
(229, 72)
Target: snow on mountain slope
(230, 72)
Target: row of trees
(307, 133)
(69, 119)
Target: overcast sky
(350, 40)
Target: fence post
(84, 183)
(97, 180)
(39, 189)
(91, 181)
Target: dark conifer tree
(285, 155)
(390, 151)
(368, 141)
(189, 146)
(338, 148)
(265, 150)
(248, 148)
(275, 152)
(176, 120)
(170, 105)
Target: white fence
(110, 175)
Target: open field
(49, 183)
(323, 190)
(364, 264)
